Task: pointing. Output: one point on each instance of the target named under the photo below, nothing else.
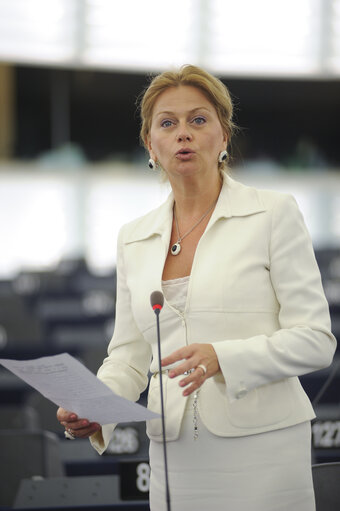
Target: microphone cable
(157, 301)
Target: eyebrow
(168, 112)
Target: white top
(175, 292)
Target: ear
(147, 142)
(225, 140)
(149, 146)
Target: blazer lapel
(236, 200)
(156, 222)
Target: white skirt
(264, 472)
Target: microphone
(157, 301)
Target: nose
(183, 135)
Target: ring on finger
(188, 372)
(204, 369)
(69, 435)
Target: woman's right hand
(76, 427)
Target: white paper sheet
(69, 384)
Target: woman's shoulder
(267, 197)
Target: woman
(244, 316)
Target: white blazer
(255, 294)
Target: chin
(188, 169)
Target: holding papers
(69, 384)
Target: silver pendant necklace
(176, 247)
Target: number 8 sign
(143, 477)
(134, 480)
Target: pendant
(176, 248)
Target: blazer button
(241, 393)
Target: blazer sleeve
(125, 369)
(304, 342)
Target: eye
(199, 120)
(166, 123)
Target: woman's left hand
(195, 355)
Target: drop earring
(222, 156)
(152, 164)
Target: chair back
(326, 479)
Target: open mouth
(184, 155)
(184, 151)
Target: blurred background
(72, 171)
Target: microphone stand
(157, 310)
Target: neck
(193, 197)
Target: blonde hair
(214, 90)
